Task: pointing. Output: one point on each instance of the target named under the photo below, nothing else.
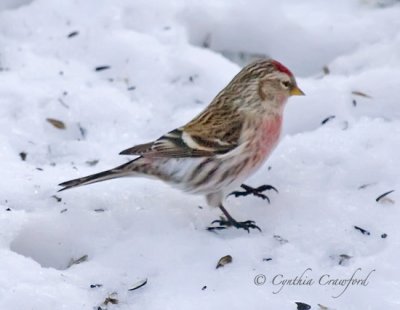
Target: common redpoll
(222, 146)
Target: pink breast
(267, 139)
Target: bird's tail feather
(117, 172)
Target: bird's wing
(216, 136)
(171, 144)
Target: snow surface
(160, 76)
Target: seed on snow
(302, 306)
(362, 230)
(56, 123)
(227, 259)
(81, 259)
(382, 198)
(138, 284)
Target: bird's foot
(225, 223)
(256, 191)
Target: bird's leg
(229, 221)
(256, 191)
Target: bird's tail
(120, 171)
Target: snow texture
(159, 63)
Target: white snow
(160, 76)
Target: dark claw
(217, 222)
(254, 191)
(216, 228)
(246, 193)
(223, 224)
(266, 187)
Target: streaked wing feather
(138, 149)
(219, 129)
(179, 144)
(210, 133)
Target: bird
(220, 148)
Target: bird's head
(265, 84)
(282, 80)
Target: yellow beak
(295, 91)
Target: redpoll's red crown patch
(281, 68)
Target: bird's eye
(285, 84)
